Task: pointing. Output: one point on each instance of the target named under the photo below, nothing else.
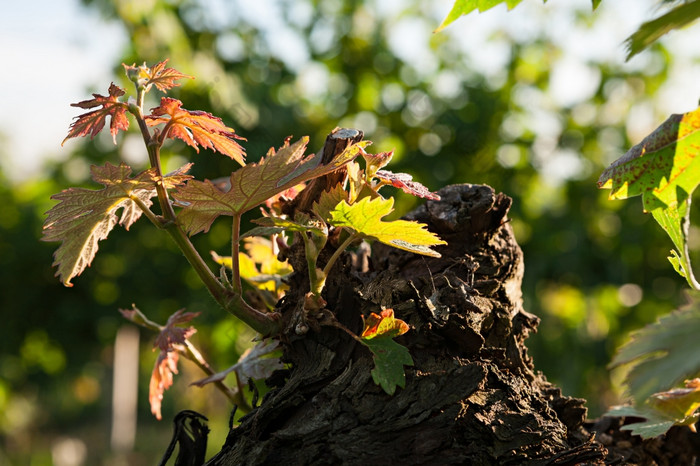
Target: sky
(55, 52)
(52, 52)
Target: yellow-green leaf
(365, 217)
(665, 169)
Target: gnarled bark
(472, 396)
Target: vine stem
(685, 226)
(339, 251)
(231, 300)
(153, 147)
(235, 251)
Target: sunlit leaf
(253, 184)
(662, 354)
(665, 169)
(374, 162)
(91, 123)
(649, 32)
(383, 325)
(676, 222)
(196, 128)
(365, 217)
(83, 217)
(157, 75)
(302, 223)
(405, 182)
(259, 265)
(679, 403)
(389, 356)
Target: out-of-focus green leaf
(654, 424)
(662, 354)
(649, 32)
(464, 7)
(663, 410)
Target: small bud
(301, 329)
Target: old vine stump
(472, 397)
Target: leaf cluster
(353, 208)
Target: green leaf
(328, 200)
(676, 221)
(254, 183)
(365, 217)
(651, 31)
(665, 169)
(596, 3)
(464, 7)
(83, 217)
(389, 359)
(389, 356)
(655, 423)
(662, 354)
(663, 410)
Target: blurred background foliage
(595, 269)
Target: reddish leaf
(196, 128)
(406, 183)
(158, 75)
(92, 122)
(161, 380)
(168, 341)
(171, 335)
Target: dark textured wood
(472, 397)
(336, 142)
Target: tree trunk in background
(473, 396)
